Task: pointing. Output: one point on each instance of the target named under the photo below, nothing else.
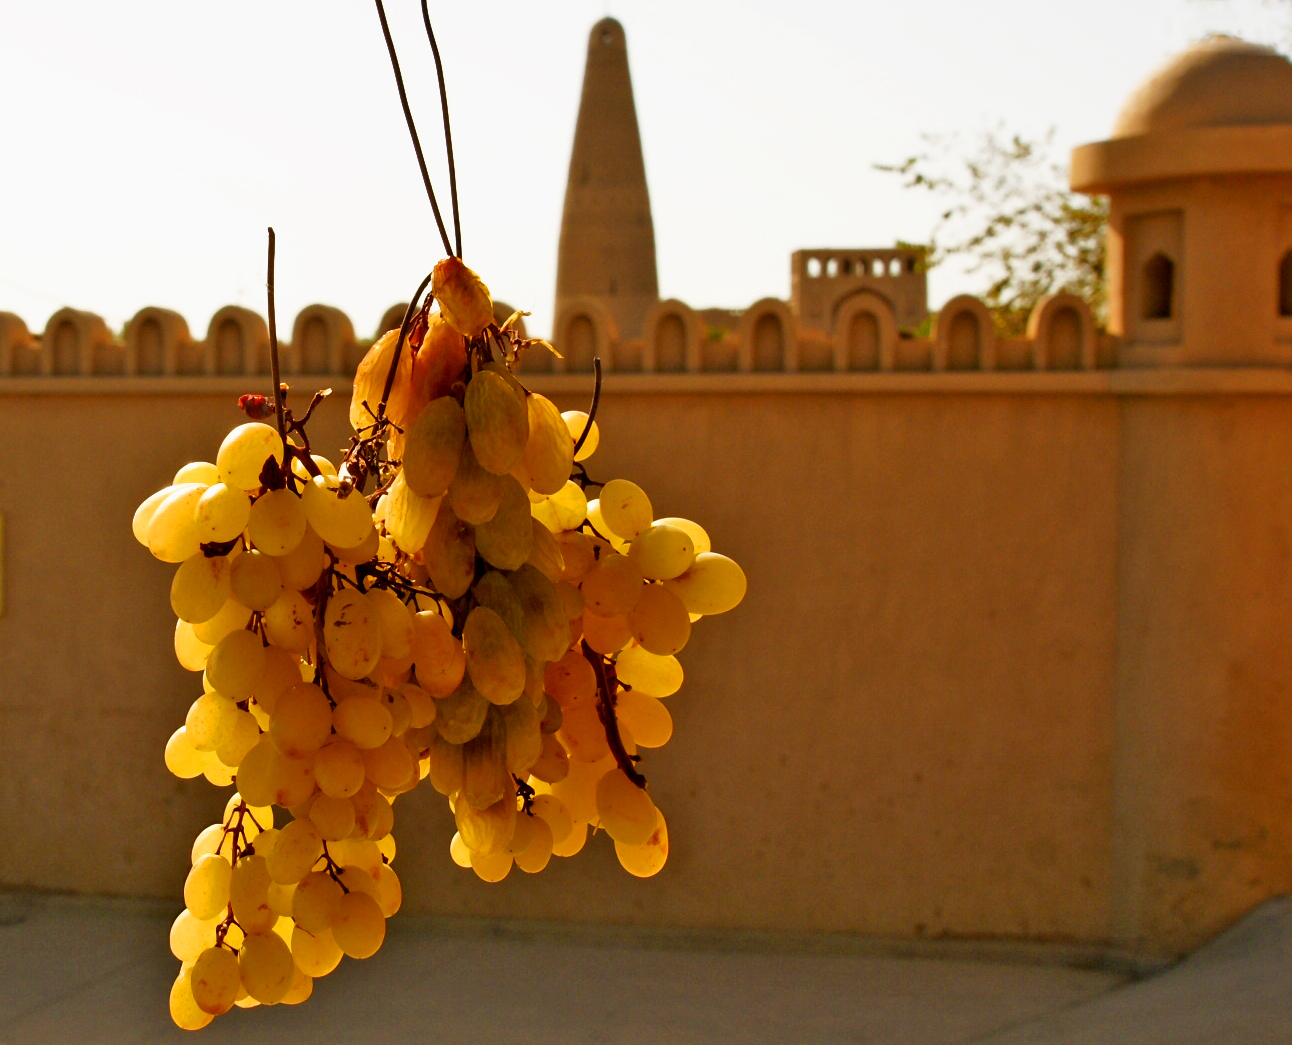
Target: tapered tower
(607, 249)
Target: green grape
(221, 513)
(352, 634)
(625, 810)
(172, 533)
(494, 658)
(182, 758)
(575, 422)
(236, 663)
(645, 716)
(341, 521)
(315, 902)
(646, 859)
(546, 630)
(662, 552)
(184, 1009)
(206, 889)
(255, 580)
(243, 454)
(277, 522)
(266, 967)
(300, 567)
(506, 540)
(410, 517)
(523, 740)
(433, 446)
(358, 926)
(338, 766)
(535, 856)
(649, 673)
(200, 587)
(660, 621)
(612, 587)
(210, 721)
(249, 895)
(474, 493)
(446, 765)
(190, 936)
(713, 584)
(485, 779)
(316, 954)
(294, 852)
(497, 422)
(289, 622)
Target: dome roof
(1222, 81)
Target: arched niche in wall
(155, 340)
(78, 342)
(584, 329)
(19, 353)
(964, 336)
(865, 332)
(322, 342)
(672, 333)
(768, 337)
(1063, 334)
(237, 342)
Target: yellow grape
(182, 758)
(197, 472)
(233, 616)
(390, 766)
(244, 736)
(147, 509)
(713, 584)
(494, 659)
(553, 763)
(316, 954)
(255, 580)
(243, 454)
(583, 735)
(545, 554)
(363, 721)
(573, 842)
(302, 721)
(300, 567)
(333, 817)
(172, 532)
(659, 621)
(486, 830)
(441, 661)
(578, 553)
(281, 672)
(421, 706)
(315, 902)
(662, 552)
(359, 553)
(569, 506)
(210, 721)
(358, 926)
(277, 522)
(289, 622)
(189, 936)
(338, 767)
(575, 422)
(571, 680)
(474, 493)
(645, 716)
(549, 450)
(221, 513)
(523, 738)
(458, 851)
(606, 635)
(433, 446)
(255, 772)
(578, 791)
(625, 810)
(266, 967)
(400, 714)
(295, 851)
(497, 422)
(292, 779)
(506, 540)
(535, 856)
(352, 634)
(208, 841)
(184, 1009)
(625, 508)
(386, 848)
(206, 889)
(249, 895)
(373, 814)
(612, 586)
(646, 859)
(699, 536)
(491, 867)
(522, 834)
(301, 989)
(649, 673)
(445, 765)
(396, 623)
(553, 811)
(325, 466)
(200, 587)
(216, 772)
(409, 516)
(450, 554)
(280, 899)
(546, 629)
(190, 651)
(340, 521)
(235, 664)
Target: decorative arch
(964, 336)
(1063, 333)
(322, 343)
(849, 313)
(19, 354)
(154, 339)
(584, 328)
(672, 333)
(236, 340)
(78, 342)
(768, 338)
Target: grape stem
(592, 410)
(448, 135)
(275, 374)
(606, 712)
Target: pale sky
(146, 144)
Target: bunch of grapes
(475, 620)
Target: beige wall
(1012, 663)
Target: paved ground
(88, 972)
